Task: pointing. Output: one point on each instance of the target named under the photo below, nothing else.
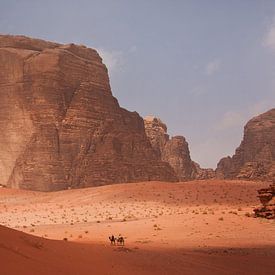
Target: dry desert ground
(196, 227)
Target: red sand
(170, 228)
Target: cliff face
(255, 157)
(174, 151)
(60, 125)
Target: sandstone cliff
(255, 157)
(174, 151)
(60, 125)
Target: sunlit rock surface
(60, 125)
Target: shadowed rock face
(255, 157)
(174, 151)
(60, 125)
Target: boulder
(267, 198)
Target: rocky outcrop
(156, 132)
(60, 125)
(267, 198)
(174, 151)
(255, 157)
(202, 173)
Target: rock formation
(60, 125)
(174, 151)
(267, 198)
(255, 157)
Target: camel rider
(113, 238)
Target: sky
(204, 67)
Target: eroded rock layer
(255, 157)
(267, 198)
(60, 125)
(174, 151)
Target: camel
(112, 240)
(119, 240)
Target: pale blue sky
(204, 67)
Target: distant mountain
(255, 157)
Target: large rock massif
(60, 125)
(62, 128)
(175, 151)
(255, 157)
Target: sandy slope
(23, 254)
(170, 228)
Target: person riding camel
(112, 239)
(120, 240)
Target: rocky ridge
(174, 151)
(60, 125)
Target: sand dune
(170, 228)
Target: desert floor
(170, 228)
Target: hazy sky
(204, 67)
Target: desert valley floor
(197, 227)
